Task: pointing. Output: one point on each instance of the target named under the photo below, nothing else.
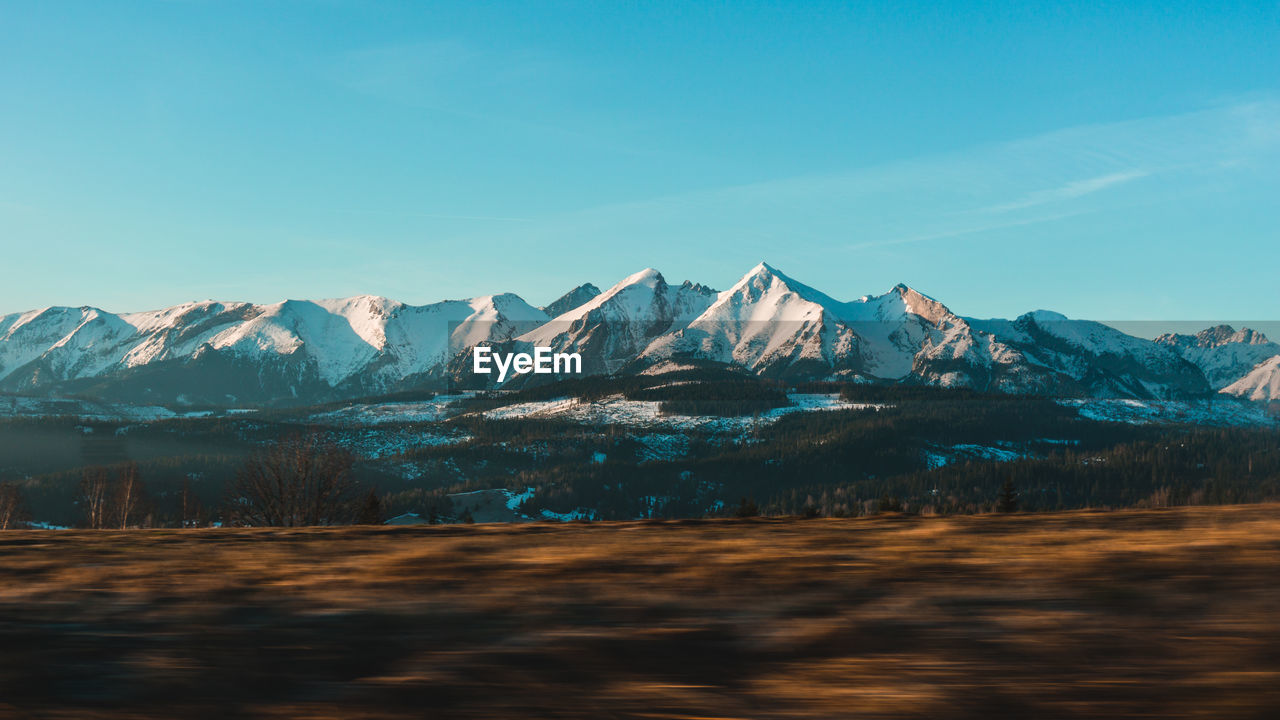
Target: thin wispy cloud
(961, 232)
(1068, 191)
(1080, 171)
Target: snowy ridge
(1224, 354)
(368, 340)
(228, 354)
(1090, 358)
(1261, 384)
(612, 329)
(617, 410)
(571, 300)
(765, 322)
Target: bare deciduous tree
(189, 505)
(95, 497)
(128, 495)
(13, 508)
(298, 482)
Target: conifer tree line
(902, 450)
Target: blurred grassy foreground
(1161, 613)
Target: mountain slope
(228, 353)
(772, 324)
(1261, 384)
(768, 323)
(612, 329)
(575, 298)
(1222, 353)
(1094, 359)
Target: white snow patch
(617, 410)
(666, 366)
(434, 410)
(576, 514)
(516, 499)
(1221, 412)
(662, 446)
(943, 456)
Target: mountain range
(302, 352)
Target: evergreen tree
(890, 504)
(371, 511)
(1008, 497)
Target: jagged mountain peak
(648, 277)
(899, 300)
(1225, 355)
(764, 279)
(766, 272)
(1216, 336)
(613, 328)
(697, 288)
(764, 276)
(767, 322)
(1225, 334)
(572, 300)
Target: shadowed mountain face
(1224, 354)
(572, 300)
(767, 323)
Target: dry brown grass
(1172, 613)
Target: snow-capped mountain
(234, 353)
(1223, 354)
(571, 300)
(772, 324)
(1094, 359)
(767, 323)
(612, 329)
(1261, 384)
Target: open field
(1159, 613)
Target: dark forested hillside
(900, 448)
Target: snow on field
(433, 410)
(18, 406)
(492, 505)
(538, 409)
(377, 444)
(819, 401)
(662, 446)
(576, 514)
(940, 456)
(1217, 412)
(984, 452)
(666, 366)
(503, 505)
(617, 410)
(37, 525)
(516, 499)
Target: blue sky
(1106, 160)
